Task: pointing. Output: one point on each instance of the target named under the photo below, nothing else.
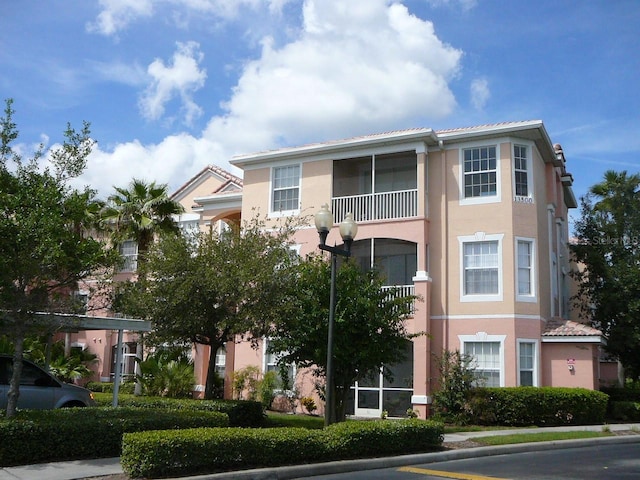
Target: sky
(170, 86)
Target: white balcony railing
(376, 206)
(401, 291)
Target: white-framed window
(129, 252)
(285, 193)
(527, 363)
(480, 174)
(487, 352)
(525, 270)
(481, 262)
(221, 362)
(522, 184)
(271, 364)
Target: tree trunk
(14, 384)
(210, 384)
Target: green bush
(188, 452)
(626, 394)
(242, 413)
(542, 406)
(107, 387)
(79, 433)
(625, 411)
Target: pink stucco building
(472, 220)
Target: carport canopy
(71, 322)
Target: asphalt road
(594, 462)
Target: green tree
(369, 330)
(608, 253)
(140, 213)
(456, 380)
(45, 246)
(209, 288)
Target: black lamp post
(348, 230)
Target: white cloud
(353, 68)
(182, 77)
(356, 67)
(466, 5)
(117, 14)
(480, 93)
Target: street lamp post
(348, 230)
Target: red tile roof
(559, 327)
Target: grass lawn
(538, 437)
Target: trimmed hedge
(541, 406)
(107, 387)
(624, 411)
(241, 413)
(81, 433)
(209, 450)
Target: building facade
(473, 221)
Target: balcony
(376, 206)
(401, 291)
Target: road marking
(440, 473)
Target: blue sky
(170, 86)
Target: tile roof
(559, 327)
(214, 169)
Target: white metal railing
(376, 206)
(396, 291)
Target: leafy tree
(209, 288)
(608, 252)
(140, 213)
(45, 246)
(369, 330)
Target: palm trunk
(14, 384)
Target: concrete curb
(297, 471)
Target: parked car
(39, 390)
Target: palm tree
(140, 213)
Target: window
(481, 268)
(487, 357)
(271, 365)
(397, 260)
(526, 363)
(480, 172)
(521, 171)
(221, 362)
(129, 253)
(286, 189)
(524, 270)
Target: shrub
(79, 433)
(625, 411)
(107, 387)
(241, 413)
(186, 452)
(309, 404)
(542, 406)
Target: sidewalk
(82, 469)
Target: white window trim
(485, 338)
(533, 296)
(523, 198)
(285, 213)
(481, 237)
(480, 200)
(536, 359)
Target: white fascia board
(573, 339)
(420, 136)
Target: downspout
(445, 241)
